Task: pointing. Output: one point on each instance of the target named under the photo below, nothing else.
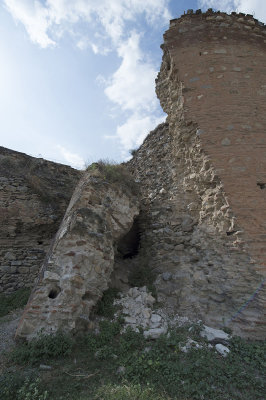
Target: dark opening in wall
(128, 246)
(229, 233)
(54, 292)
(261, 185)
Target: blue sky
(77, 76)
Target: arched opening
(128, 245)
(54, 292)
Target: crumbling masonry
(202, 178)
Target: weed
(42, 348)
(157, 366)
(13, 301)
(133, 152)
(31, 391)
(115, 173)
(105, 306)
(128, 391)
(10, 384)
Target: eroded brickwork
(203, 173)
(221, 64)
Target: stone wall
(202, 173)
(80, 261)
(34, 194)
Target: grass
(115, 174)
(105, 306)
(87, 368)
(13, 301)
(42, 348)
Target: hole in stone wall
(229, 233)
(54, 292)
(40, 242)
(261, 185)
(128, 246)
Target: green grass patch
(105, 306)
(42, 348)
(128, 391)
(152, 369)
(13, 301)
(115, 174)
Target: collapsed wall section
(80, 261)
(34, 195)
(200, 173)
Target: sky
(77, 77)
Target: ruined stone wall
(80, 261)
(34, 194)
(200, 173)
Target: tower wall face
(221, 65)
(213, 75)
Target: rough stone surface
(34, 195)
(206, 226)
(202, 181)
(80, 261)
(221, 349)
(214, 334)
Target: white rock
(154, 333)
(130, 320)
(51, 276)
(156, 318)
(150, 300)
(223, 350)
(211, 333)
(190, 345)
(143, 289)
(146, 313)
(44, 367)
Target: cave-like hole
(40, 242)
(229, 233)
(128, 246)
(261, 185)
(54, 292)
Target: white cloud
(131, 86)
(34, 17)
(255, 7)
(71, 158)
(134, 130)
(46, 21)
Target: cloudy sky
(77, 76)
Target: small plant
(115, 173)
(42, 348)
(128, 391)
(10, 384)
(13, 301)
(105, 306)
(133, 152)
(31, 391)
